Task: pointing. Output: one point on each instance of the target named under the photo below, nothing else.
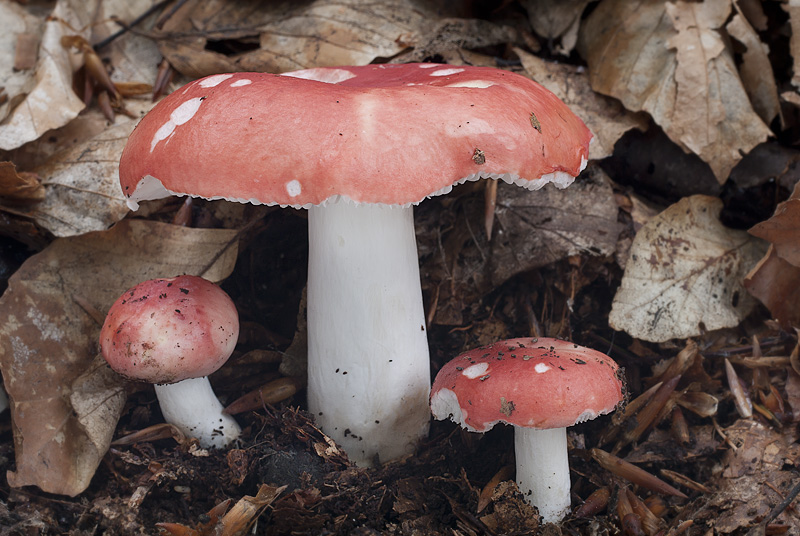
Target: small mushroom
(540, 386)
(357, 147)
(173, 333)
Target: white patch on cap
(293, 188)
(185, 111)
(215, 80)
(447, 72)
(329, 76)
(179, 116)
(429, 65)
(541, 367)
(444, 404)
(471, 83)
(475, 371)
(584, 161)
(162, 134)
(148, 188)
(242, 82)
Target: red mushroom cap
(391, 134)
(168, 330)
(535, 383)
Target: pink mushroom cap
(169, 330)
(535, 383)
(391, 134)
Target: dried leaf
(775, 280)
(756, 70)
(684, 274)
(532, 229)
(50, 102)
(82, 186)
(783, 229)
(292, 36)
(240, 518)
(776, 284)
(552, 18)
(48, 342)
(605, 117)
(755, 478)
(14, 21)
(670, 60)
(19, 187)
(793, 10)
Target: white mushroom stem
(543, 470)
(368, 371)
(194, 409)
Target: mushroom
(174, 332)
(357, 146)
(540, 386)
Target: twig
(126, 27)
(761, 528)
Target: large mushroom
(357, 146)
(540, 386)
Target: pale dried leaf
(291, 35)
(756, 70)
(132, 56)
(684, 274)
(792, 9)
(48, 342)
(97, 396)
(82, 192)
(670, 60)
(14, 21)
(605, 117)
(48, 100)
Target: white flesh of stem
(368, 371)
(194, 409)
(543, 470)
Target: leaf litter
(549, 266)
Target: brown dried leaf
(539, 228)
(240, 519)
(755, 478)
(783, 229)
(19, 187)
(605, 117)
(793, 393)
(670, 60)
(684, 274)
(533, 229)
(776, 284)
(63, 404)
(551, 19)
